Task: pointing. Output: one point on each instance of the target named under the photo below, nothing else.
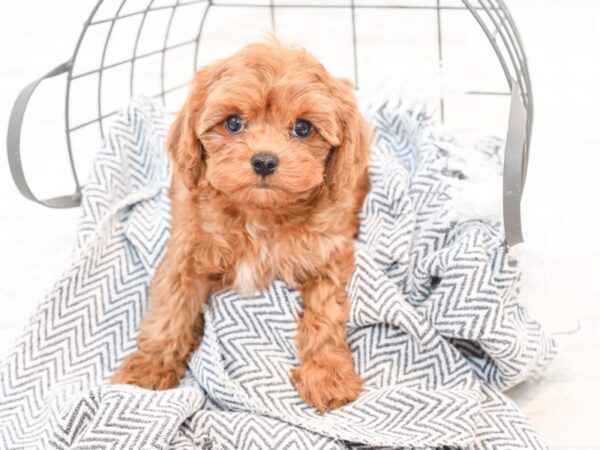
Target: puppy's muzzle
(264, 163)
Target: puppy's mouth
(265, 192)
(257, 190)
(263, 183)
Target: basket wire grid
(106, 19)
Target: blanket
(436, 328)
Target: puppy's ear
(183, 145)
(349, 160)
(185, 149)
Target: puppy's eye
(234, 124)
(302, 128)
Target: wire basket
(152, 47)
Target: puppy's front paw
(327, 386)
(146, 372)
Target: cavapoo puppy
(270, 160)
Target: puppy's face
(267, 142)
(269, 128)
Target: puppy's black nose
(264, 163)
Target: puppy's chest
(249, 257)
(263, 255)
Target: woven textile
(436, 328)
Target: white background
(561, 204)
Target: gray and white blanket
(436, 328)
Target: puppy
(270, 155)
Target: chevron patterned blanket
(436, 329)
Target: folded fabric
(436, 328)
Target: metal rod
(135, 46)
(440, 54)
(164, 50)
(499, 27)
(199, 34)
(525, 67)
(272, 10)
(503, 24)
(487, 93)
(491, 39)
(354, 45)
(100, 73)
(358, 6)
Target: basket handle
(515, 163)
(13, 145)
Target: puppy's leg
(171, 328)
(326, 377)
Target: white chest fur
(245, 279)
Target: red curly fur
(234, 228)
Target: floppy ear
(350, 159)
(183, 145)
(185, 149)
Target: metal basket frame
(492, 16)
